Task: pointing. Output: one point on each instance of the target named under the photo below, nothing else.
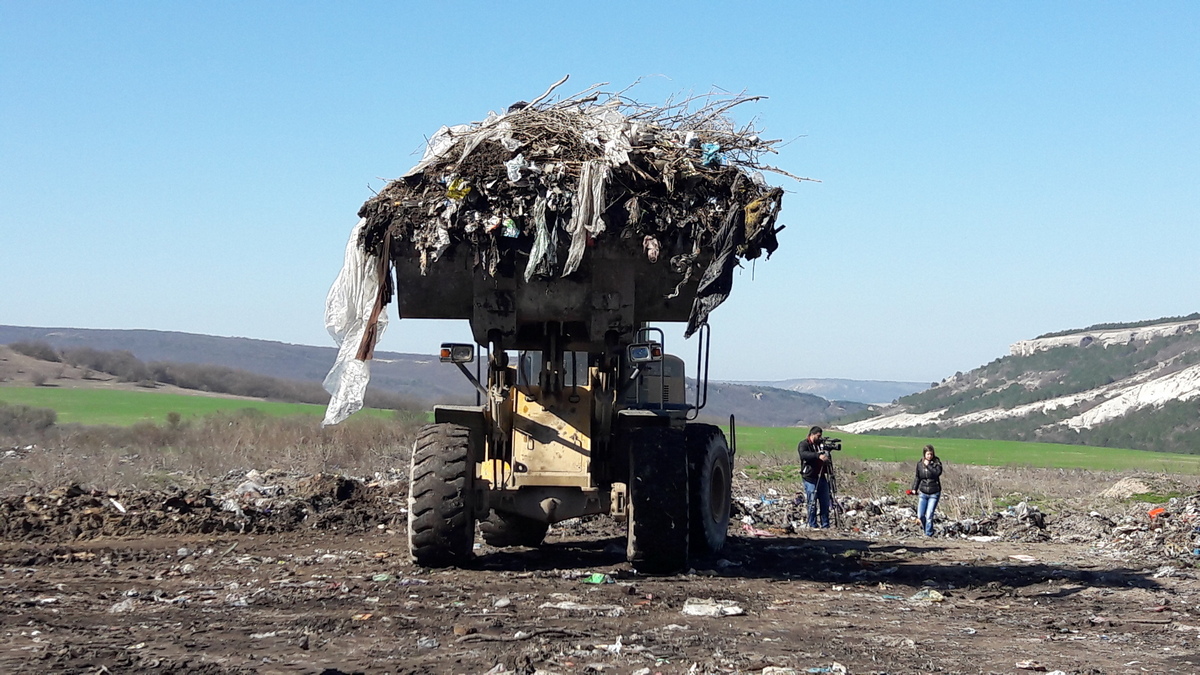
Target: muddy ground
(342, 598)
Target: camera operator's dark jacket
(812, 467)
(929, 478)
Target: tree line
(126, 367)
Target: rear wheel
(441, 525)
(709, 481)
(509, 529)
(658, 501)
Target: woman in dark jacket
(928, 485)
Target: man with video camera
(816, 469)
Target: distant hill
(764, 406)
(1131, 385)
(863, 391)
(418, 376)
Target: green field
(125, 408)
(782, 442)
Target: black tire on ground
(658, 501)
(509, 529)
(441, 524)
(709, 487)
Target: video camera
(830, 444)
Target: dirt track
(313, 601)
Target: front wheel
(658, 501)
(710, 480)
(441, 524)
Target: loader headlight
(453, 352)
(645, 352)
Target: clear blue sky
(990, 171)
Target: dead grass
(149, 455)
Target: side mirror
(453, 352)
(644, 352)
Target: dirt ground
(345, 600)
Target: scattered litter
(926, 595)
(1023, 557)
(598, 610)
(122, 607)
(427, 643)
(710, 607)
(756, 532)
(1165, 572)
(597, 578)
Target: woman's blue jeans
(926, 505)
(814, 494)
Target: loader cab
(660, 385)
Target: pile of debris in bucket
(541, 183)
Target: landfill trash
(778, 670)
(427, 643)
(756, 532)
(926, 595)
(122, 607)
(572, 606)
(1165, 572)
(501, 603)
(710, 607)
(364, 616)
(614, 648)
(382, 576)
(1023, 557)
(835, 669)
(1156, 512)
(1030, 665)
(597, 578)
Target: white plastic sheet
(347, 313)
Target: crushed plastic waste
(596, 610)
(710, 607)
(926, 595)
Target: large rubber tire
(509, 529)
(709, 488)
(441, 524)
(658, 501)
